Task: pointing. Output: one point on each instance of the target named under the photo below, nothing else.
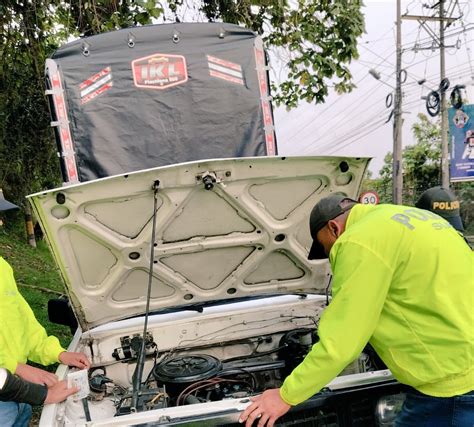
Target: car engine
(185, 377)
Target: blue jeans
(14, 414)
(420, 410)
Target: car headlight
(388, 408)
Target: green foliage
(465, 192)
(319, 37)
(421, 163)
(97, 16)
(382, 185)
(422, 170)
(28, 159)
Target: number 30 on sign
(369, 198)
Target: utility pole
(439, 43)
(444, 110)
(397, 175)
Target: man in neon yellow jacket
(403, 281)
(22, 338)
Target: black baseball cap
(442, 202)
(5, 205)
(326, 209)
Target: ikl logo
(159, 71)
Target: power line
(321, 137)
(358, 138)
(364, 128)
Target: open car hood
(225, 229)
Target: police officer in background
(444, 203)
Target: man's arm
(35, 375)
(13, 388)
(360, 285)
(43, 349)
(21, 336)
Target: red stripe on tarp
(225, 77)
(94, 78)
(96, 93)
(225, 63)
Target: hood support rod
(138, 374)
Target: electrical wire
(347, 143)
(328, 123)
(362, 129)
(468, 49)
(330, 106)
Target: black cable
(433, 103)
(444, 85)
(141, 357)
(85, 405)
(327, 290)
(456, 96)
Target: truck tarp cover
(150, 96)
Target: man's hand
(79, 360)
(59, 392)
(36, 375)
(267, 407)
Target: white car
(221, 246)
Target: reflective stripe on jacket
(403, 280)
(22, 338)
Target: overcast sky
(353, 124)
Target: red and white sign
(159, 71)
(369, 198)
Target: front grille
(341, 412)
(359, 413)
(362, 413)
(327, 417)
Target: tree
(421, 164)
(28, 160)
(422, 170)
(422, 161)
(465, 193)
(382, 185)
(319, 37)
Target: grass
(34, 267)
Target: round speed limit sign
(369, 198)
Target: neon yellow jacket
(22, 338)
(403, 281)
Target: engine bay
(206, 368)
